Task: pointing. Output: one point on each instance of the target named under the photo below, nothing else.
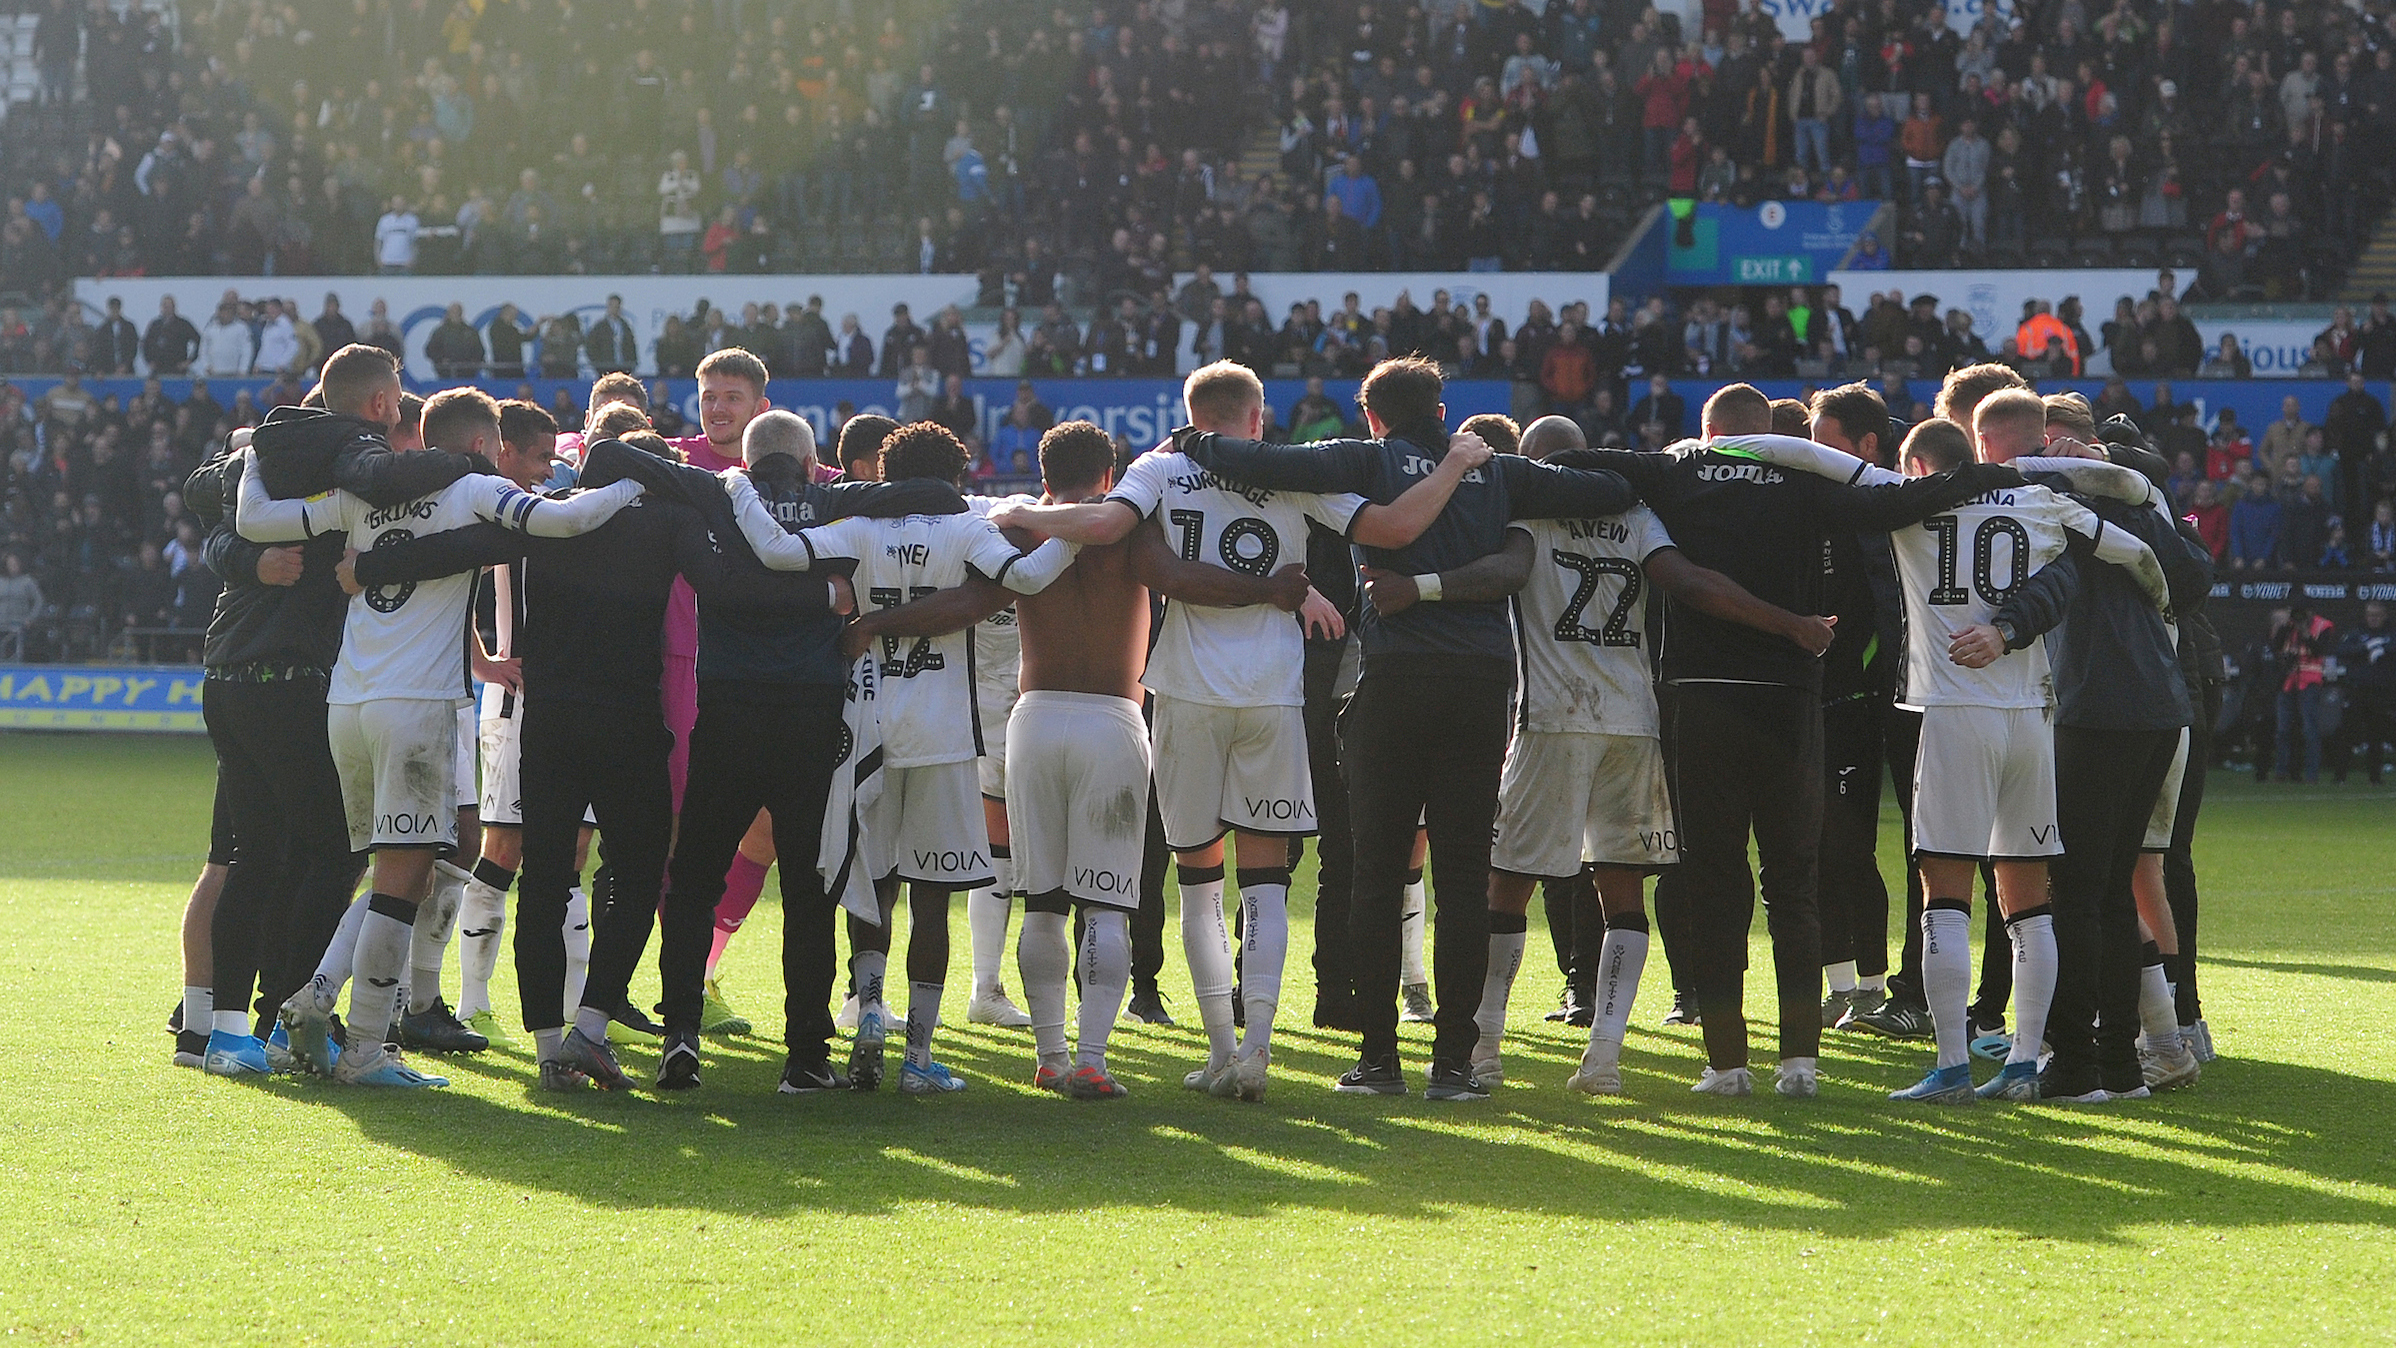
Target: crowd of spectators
(1053, 150)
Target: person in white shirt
(395, 239)
(392, 716)
(1229, 729)
(1584, 780)
(926, 827)
(225, 344)
(1984, 781)
(278, 342)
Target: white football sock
(482, 933)
(1410, 926)
(1873, 982)
(1947, 980)
(578, 948)
(2034, 984)
(592, 1021)
(1265, 937)
(342, 951)
(866, 970)
(379, 971)
(923, 1017)
(2156, 1012)
(1497, 986)
(1044, 960)
(1106, 972)
(549, 1045)
(1207, 948)
(227, 1022)
(986, 912)
(436, 918)
(1620, 961)
(1842, 975)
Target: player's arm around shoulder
(1484, 579)
(1321, 466)
(1716, 595)
(263, 519)
(935, 615)
(512, 507)
(1156, 565)
(1402, 521)
(1537, 490)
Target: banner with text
(1779, 243)
(101, 697)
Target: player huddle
(1571, 667)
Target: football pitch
(147, 1204)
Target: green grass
(143, 1204)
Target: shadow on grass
(1849, 1164)
(2363, 973)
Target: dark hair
(520, 421)
(353, 373)
(617, 387)
(1075, 455)
(1497, 430)
(650, 442)
(454, 411)
(1404, 393)
(411, 411)
(1789, 417)
(923, 449)
(1960, 396)
(1860, 411)
(614, 421)
(862, 437)
(734, 361)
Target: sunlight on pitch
(952, 1169)
(1313, 1171)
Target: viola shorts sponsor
(1077, 796)
(928, 822)
(1225, 768)
(398, 763)
(1568, 798)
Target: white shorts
(1225, 768)
(469, 797)
(1984, 784)
(2166, 815)
(928, 821)
(1568, 799)
(1077, 796)
(992, 706)
(502, 741)
(397, 759)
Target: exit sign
(1775, 270)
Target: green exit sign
(1775, 270)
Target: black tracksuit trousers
(1335, 851)
(1855, 900)
(1422, 746)
(2179, 863)
(1746, 758)
(612, 761)
(291, 869)
(2105, 787)
(777, 753)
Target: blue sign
(101, 697)
(1777, 243)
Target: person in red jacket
(1663, 101)
(1568, 373)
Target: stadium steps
(2375, 270)
(1262, 154)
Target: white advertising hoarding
(1994, 298)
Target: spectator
(455, 348)
(610, 342)
(225, 343)
(333, 331)
(918, 384)
(2379, 543)
(678, 218)
(278, 341)
(2211, 517)
(2255, 527)
(2351, 430)
(395, 239)
(506, 341)
(2301, 638)
(2286, 435)
(21, 604)
(1662, 409)
(2228, 361)
(856, 350)
(171, 343)
(1020, 429)
(2305, 525)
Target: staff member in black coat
(1743, 722)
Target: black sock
(493, 874)
(1506, 924)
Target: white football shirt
(997, 641)
(1228, 657)
(408, 640)
(1581, 621)
(928, 699)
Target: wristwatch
(2005, 630)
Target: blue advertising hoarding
(1776, 243)
(101, 697)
